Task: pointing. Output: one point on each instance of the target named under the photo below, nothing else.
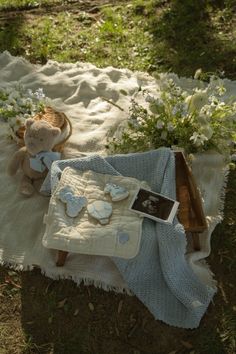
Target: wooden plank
(190, 212)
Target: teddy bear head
(40, 136)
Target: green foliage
(18, 104)
(189, 34)
(228, 334)
(196, 121)
(149, 35)
(18, 4)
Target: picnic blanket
(83, 92)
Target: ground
(40, 315)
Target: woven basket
(56, 119)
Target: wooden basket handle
(59, 146)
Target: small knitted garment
(159, 275)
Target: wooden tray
(190, 212)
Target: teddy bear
(36, 157)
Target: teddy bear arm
(16, 161)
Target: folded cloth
(159, 275)
(83, 234)
(44, 160)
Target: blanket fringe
(87, 281)
(16, 266)
(76, 279)
(223, 192)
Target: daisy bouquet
(17, 104)
(196, 120)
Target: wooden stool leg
(61, 258)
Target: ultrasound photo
(153, 204)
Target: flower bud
(198, 74)
(196, 101)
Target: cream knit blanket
(79, 90)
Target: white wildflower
(221, 105)
(140, 120)
(221, 90)
(214, 100)
(198, 74)
(159, 124)
(207, 110)
(176, 90)
(170, 127)
(191, 157)
(39, 94)
(196, 101)
(198, 139)
(17, 104)
(200, 119)
(185, 94)
(170, 82)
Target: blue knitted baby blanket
(159, 275)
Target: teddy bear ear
(29, 122)
(56, 131)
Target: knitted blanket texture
(159, 275)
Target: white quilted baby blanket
(84, 234)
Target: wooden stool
(190, 212)
(61, 258)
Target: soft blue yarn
(159, 275)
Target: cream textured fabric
(84, 234)
(79, 90)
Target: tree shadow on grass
(57, 319)
(9, 34)
(185, 39)
(48, 319)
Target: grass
(146, 35)
(26, 4)
(150, 35)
